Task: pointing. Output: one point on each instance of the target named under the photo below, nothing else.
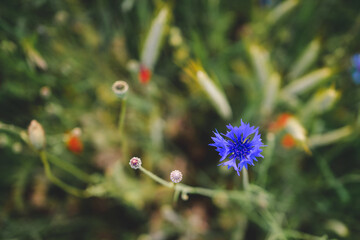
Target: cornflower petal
(231, 163)
(355, 61)
(221, 145)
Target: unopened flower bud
(36, 135)
(135, 163)
(76, 132)
(176, 176)
(120, 88)
(45, 92)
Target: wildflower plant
(261, 72)
(241, 145)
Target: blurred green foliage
(59, 59)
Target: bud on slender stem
(36, 135)
(120, 88)
(176, 176)
(135, 163)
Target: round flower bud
(36, 135)
(176, 176)
(120, 88)
(135, 163)
(45, 92)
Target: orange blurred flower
(288, 141)
(74, 144)
(280, 122)
(73, 141)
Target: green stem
(197, 190)
(188, 189)
(301, 235)
(14, 130)
(332, 181)
(58, 182)
(10, 128)
(274, 224)
(268, 154)
(240, 197)
(70, 169)
(122, 115)
(156, 178)
(245, 178)
(176, 195)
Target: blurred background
(289, 67)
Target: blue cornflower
(239, 146)
(265, 3)
(355, 60)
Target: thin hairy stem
(76, 172)
(122, 115)
(67, 188)
(156, 178)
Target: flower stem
(193, 190)
(176, 195)
(58, 182)
(197, 190)
(122, 115)
(180, 187)
(156, 178)
(268, 154)
(245, 178)
(301, 235)
(14, 130)
(240, 197)
(70, 169)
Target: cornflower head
(238, 145)
(355, 61)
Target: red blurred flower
(144, 74)
(288, 141)
(74, 144)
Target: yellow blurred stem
(67, 188)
